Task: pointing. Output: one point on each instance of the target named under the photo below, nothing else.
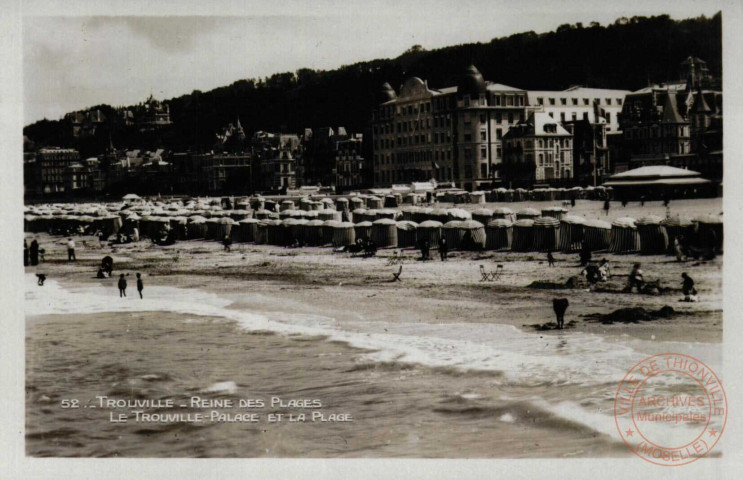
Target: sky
(82, 54)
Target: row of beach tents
(549, 229)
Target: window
(562, 116)
(468, 154)
(482, 118)
(563, 101)
(483, 153)
(575, 116)
(498, 117)
(466, 100)
(574, 101)
(608, 117)
(619, 101)
(483, 135)
(498, 133)
(510, 117)
(540, 100)
(586, 101)
(608, 101)
(552, 101)
(467, 137)
(541, 157)
(483, 170)
(585, 116)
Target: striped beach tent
(286, 205)
(271, 205)
(305, 204)
(390, 213)
(344, 234)
(504, 213)
(359, 215)
(406, 213)
(257, 203)
(596, 234)
(196, 227)
(676, 227)
(498, 234)
(528, 214)
(363, 230)
(262, 214)
(179, 225)
(327, 203)
(374, 202)
(438, 214)
(453, 234)
(313, 232)
(523, 235)
(406, 233)
(477, 197)
(261, 232)
(422, 215)
(244, 231)
(327, 214)
(384, 232)
(430, 231)
(546, 234)
(624, 236)
(327, 231)
(390, 201)
(458, 214)
(555, 212)
(296, 229)
(482, 215)
(709, 232)
(653, 236)
(571, 233)
(357, 202)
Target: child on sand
(550, 259)
(140, 285)
(122, 286)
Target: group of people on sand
(425, 248)
(123, 285)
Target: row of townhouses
(476, 134)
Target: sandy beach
(427, 341)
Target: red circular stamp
(670, 409)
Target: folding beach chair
(497, 273)
(487, 276)
(396, 276)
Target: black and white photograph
(373, 231)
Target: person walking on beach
(678, 248)
(227, 242)
(443, 248)
(122, 286)
(41, 279)
(635, 279)
(607, 206)
(34, 252)
(140, 285)
(25, 253)
(690, 293)
(71, 250)
(550, 259)
(560, 305)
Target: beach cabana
(708, 232)
(676, 227)
(571, 233)
(482, 215)
(342, 204)
(390, 201)
(624, 237)
(555, 212)
(286, 205)
(596, 234)
(257, 203)
(546, 232)
(328, 214)
(653, 237)
(359, 215)
(406, 213)
(196, 227)
(477, 197)
(430, 231)
(523, 235)
(357, 202)
(344, 234)
(504, 213)
(498, 234)
(244, 231)
(328, 227)
(312, 233)
(528, 214)
(363, 230)
(374, 202)
(261, 232)
(384, 232)
(406, 233)
(390, 213)
(458, 214)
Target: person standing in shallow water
(122, 286)
(140, 285)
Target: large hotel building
(455, 134)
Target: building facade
(538, 151)
(52, 163)
(451, 134)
